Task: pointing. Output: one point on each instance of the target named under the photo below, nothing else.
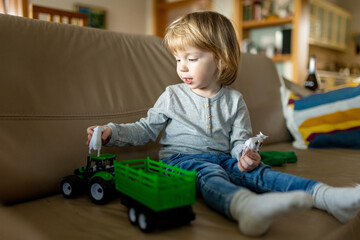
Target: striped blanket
(324, 120)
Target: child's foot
(342, 203)
(255, 213)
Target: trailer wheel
(146, 222)
(69, 186)
(132, 214)
(100, 191)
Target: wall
(131, 16)
(224, 7)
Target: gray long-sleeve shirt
(194, 124)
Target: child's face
(198, 69)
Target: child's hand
(249, 161)
(106, 135)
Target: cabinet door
(330, 29)
(320, 24)
(341, 29)
(328, 25)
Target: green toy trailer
(155, 194)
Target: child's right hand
(249, 161)
(105, 137)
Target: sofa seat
(55, 217)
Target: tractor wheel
(70, 186)
(100, 191)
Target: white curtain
(2, 6)
(12, 7)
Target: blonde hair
(209, 31)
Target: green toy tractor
(97, 176)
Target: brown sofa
(58, 79)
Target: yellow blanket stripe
(325, 128)
(332, 118)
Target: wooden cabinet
(295, 63)
(167, 11)
(329, 25)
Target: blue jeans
(218, 178)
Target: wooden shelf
(281, 57)
(324, 44)
(266, 22)
(299, 21)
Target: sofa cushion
(259, 82)
(58, 79)
(12, 222)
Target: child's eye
(192, 59)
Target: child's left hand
(249, 161)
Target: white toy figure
(254, 143)
(95, 142)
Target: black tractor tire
(100, 191)
(70, 186)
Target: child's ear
(218, 63)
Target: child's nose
(182, 67)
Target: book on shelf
(256, 10)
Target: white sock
(255, 213)
(342, 203)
